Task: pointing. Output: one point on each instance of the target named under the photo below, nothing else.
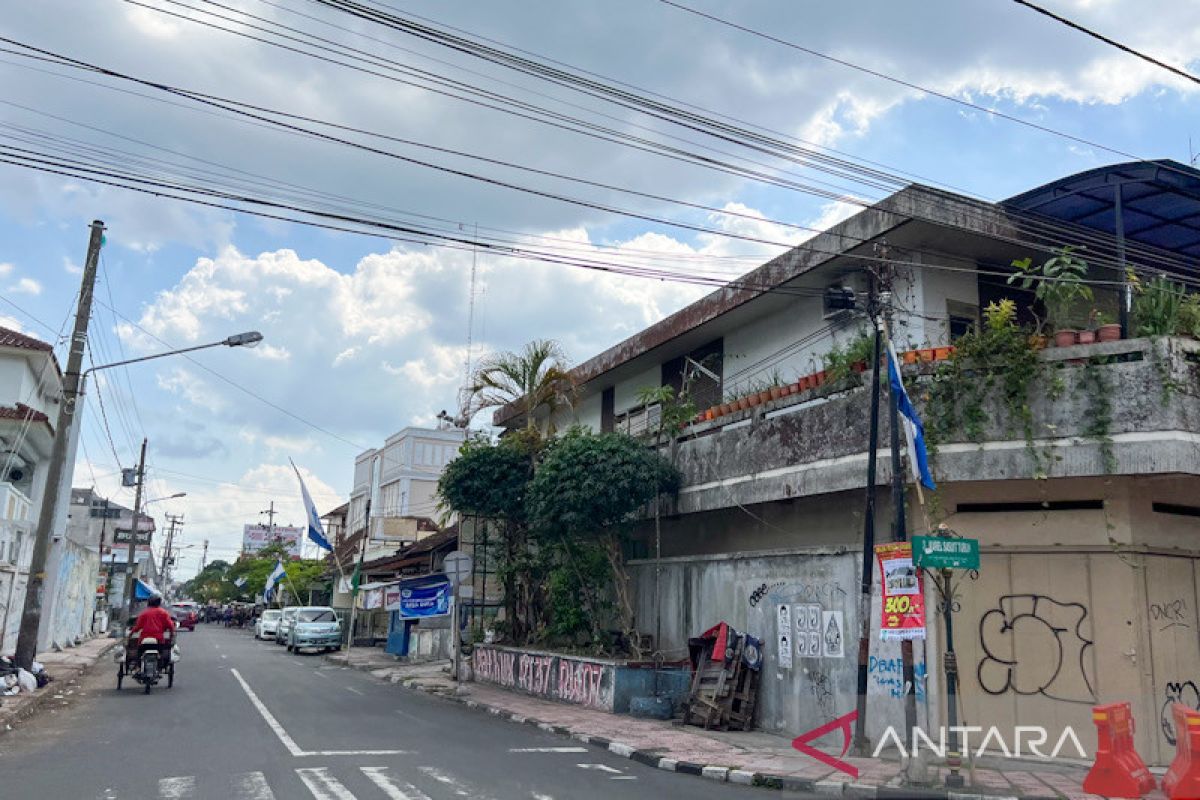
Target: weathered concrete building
(1088, 522)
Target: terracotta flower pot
(910, 356)
(1065, 338)
(1108, 333)
(776, 392)
(1087, 337)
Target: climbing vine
(992, 368)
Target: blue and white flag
(275, 577)
(914, 431)
(316, 531)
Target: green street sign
(936, 552)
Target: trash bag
(27, 682)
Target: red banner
(902, 593)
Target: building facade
(1086, 516)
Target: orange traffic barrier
(1183, 777)
(1119, 771)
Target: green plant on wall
(992, 368)
(1059, 282)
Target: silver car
(316, 627)
(285, 624)
(266, 625)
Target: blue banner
(428, 600)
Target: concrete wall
(746, 590)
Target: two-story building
(1088, 521)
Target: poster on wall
(903, 613)
(783, 630)
(832, 637)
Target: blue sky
(364, 336)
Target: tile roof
(11, 338)
(22, 412)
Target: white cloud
(26, 286)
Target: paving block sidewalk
(65, 668)
(754, 758)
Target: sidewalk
(65, 668)
(753, 758)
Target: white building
(30, 387)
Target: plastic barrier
(1119, 771)
(1183, 777)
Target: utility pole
(862, 745)
(31, 612)
(133, 537)
(898, 503)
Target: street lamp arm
(248, 339)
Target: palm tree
(536, 379)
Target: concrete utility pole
(31, 612)
(133, 537)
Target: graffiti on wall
(1170, 614)
(1049, 646)
(1185, 692)
(887, 676)
(570, 680)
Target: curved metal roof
(1159, 203)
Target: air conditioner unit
(845, 296)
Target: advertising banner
(903, 614)
(256, 537)
(428, 600)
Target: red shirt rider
(153, 622)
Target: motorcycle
(146, 663)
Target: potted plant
(1059, 284)
(1157, 304)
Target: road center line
(289, 742)
(272, 723)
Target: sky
(365, 335)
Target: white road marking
(600, 767)
(289, 742)
(251, 786)
(352, 689)
(323, 785)
(402, 791)
(548, 750)
(272, 723)
(177, 788)
(446, 780)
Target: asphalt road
(246, 720)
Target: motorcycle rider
(153, 622)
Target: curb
(31, 706)
(717, 772)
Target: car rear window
(316, 615)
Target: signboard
(939, 552)
(256, 537)
(457, 566)
(428, 600)
(903, 614)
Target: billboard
(256, 537)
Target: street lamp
(74, 382)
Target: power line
(1101, 37)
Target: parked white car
(266, 625)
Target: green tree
(587, 491)
(536, 379)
